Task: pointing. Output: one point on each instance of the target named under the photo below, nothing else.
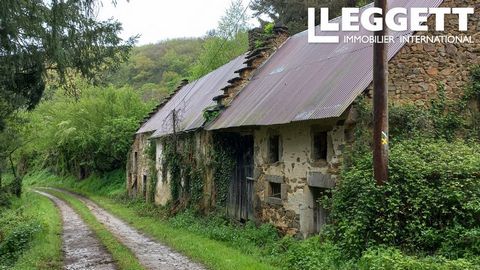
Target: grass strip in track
(123, 257)
(211, 253)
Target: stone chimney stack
(262, 43)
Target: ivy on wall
(186, 173)
(426, 205)
(223, 162)
(152, 156)
(444, 119)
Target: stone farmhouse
(288, 109)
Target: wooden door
(241, 186)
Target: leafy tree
(225, 43)
(234, 21)
(40, 38)
(293, 14)
(91, 135)
(217, 52)
(156, 69)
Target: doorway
(240, 199)
(320, 214)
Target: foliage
(223, 164)
(92, 134)
(24, 229)
(390, 258)
(293, 14)
(216, 226)
(183, 166)
(225, 43)
(443, 119)
(16, 242)
(217, 51)
(430, 203)
(210, 115)
(154, 221)
(155, 70)
(312, 253)
(152, 170)
(194, 233)
(234, 21)
(40, 38)
(110, 184)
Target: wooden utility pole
(380, 101)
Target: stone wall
(417, 70)
(293, 214)
(138, 166)
(202, 145)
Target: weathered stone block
(274, 178)
(317, 179)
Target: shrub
(16, 232)
(393, 259)
(312, 254)
(430, 204)
(17, 242)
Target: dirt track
(151, 254)
(82, 250)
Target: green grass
(44, 249)
(213, 254)
(220, 244)
(124, 258)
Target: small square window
(320, 146)
(275, 190)
(274, 148)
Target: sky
(157, 20)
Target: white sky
(156, 20)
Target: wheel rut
(150, 253)
(82, 249)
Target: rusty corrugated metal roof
(303, 81)
(190, 101)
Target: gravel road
(150, 253)
(82, 249)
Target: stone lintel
(274, 179)
(318, 179)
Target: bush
(93, 134)
(393, 259)
(430, 204)
(248, 237)
(312, 253)
(16, 232)
(17, 242)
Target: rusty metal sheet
(190, 101)
(303, 81)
